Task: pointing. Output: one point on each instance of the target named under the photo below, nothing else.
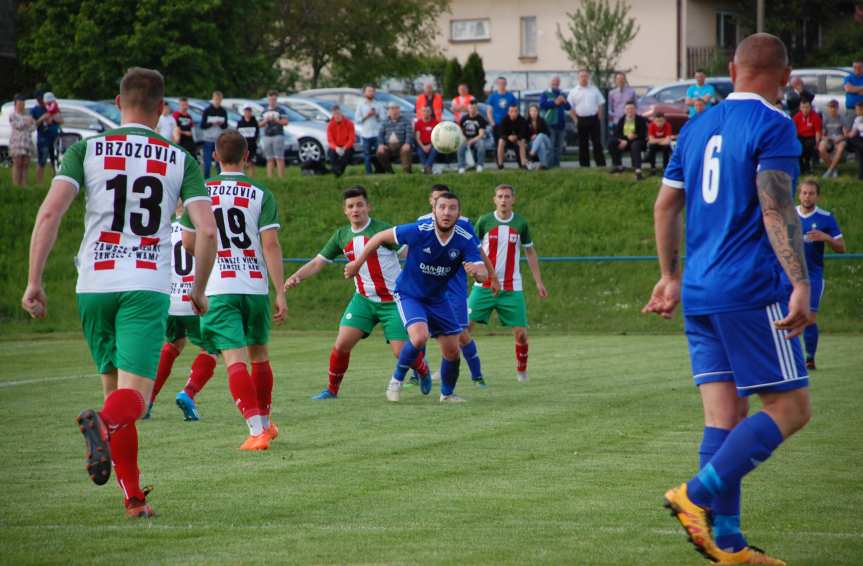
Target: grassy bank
(572, 212)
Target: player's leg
(449, 367)
(175, 341)
(470, 353)
(512, 312)
(257, 315)
(202, 369)
(810, 333)
(415, 320)
(340, 357)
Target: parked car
(81, 119)
(826, 84)
(670, 99)
(322, 111)
(305, 139)
(349, 98)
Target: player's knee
(419, 337)
(179, 343)
(450, 354)
(520, 335)
(791, 410)
(464, 338)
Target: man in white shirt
(368, 117)
(587, 107)
(166, 124)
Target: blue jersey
(457, 285)
(431, 263)
(818, 219)
(500, 104)
(730, 264)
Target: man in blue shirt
(554, 107)
(700, 90)
(499, 102)
(853, 86)
(733, 170)
(436, 253)
(820, 229)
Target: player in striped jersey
(503, 234)
(131, 178)
(238, 322)
(373, 302)
(183, 325)
(457, 289)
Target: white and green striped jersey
(243, 209)
(182, 274)
(131, 178)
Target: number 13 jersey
(132, 178)
(730, 265)
(243, 209)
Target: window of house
(528, 37)
(726, 30)
(470, 30)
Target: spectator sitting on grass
(832, 139)
(341, 137)
(630, 134)
(514, 133)
(473, 126)
(808, 124)
(394, 139)
(659, 138)
(540, 140)
(426, 152)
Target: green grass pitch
(568, 468)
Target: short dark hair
(143, 89)
(700, 71)
(218, 93)
(354, 192)
(630, 102)
(505, 187)
(500, 78)
(812, 181)
(440, 188)
(183, 99)
(473, 102)
(659, 115)
(272, 92)
(335, 107)
(231, 147)
(449, 195)
(513, 106)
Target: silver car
(81, 119)
(825, 84)
(322, 111)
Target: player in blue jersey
(733, 170)
(458, 294)
(436, 252)
(820, 229)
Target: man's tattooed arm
(782, 223)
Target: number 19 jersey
(730, 265)
(132, 178)
(243, 209)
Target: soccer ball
(446, 137)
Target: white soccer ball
(446, 137)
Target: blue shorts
(459, 307)
(816, 283)
(744, 347)
(45, 150)
(439, 314)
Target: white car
(81, 119)
(826, 84)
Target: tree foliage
(598, 34)
(83, 47)
(349, 42)
(473, 74)
(451, 78)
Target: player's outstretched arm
(387, 237)
(203, 248)
(533, 263)
(310, 269)
(786, 238)
(667, 224)
(276, 269)
(44, 235)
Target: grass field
(568, 468)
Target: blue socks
(810, 338)
(448, 375)
(471, 356)
(726, 505)
(407, 357)
(750, 443)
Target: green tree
(353, 43)
(83, 47)
(473, 74)
(451, 78)
(598, 34)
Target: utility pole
(759, 18)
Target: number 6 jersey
(132, 178)
(243, 209)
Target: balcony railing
(714, 60)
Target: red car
(670, 99)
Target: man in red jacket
(341, 136)
(808, 124)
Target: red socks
(338, 366)
(202, 370)
(122, 407)
(420, 364)
(262, 376)
(166, 363)
(124, 456)
(243, 390)
(520, 357)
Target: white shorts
(273, 147)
